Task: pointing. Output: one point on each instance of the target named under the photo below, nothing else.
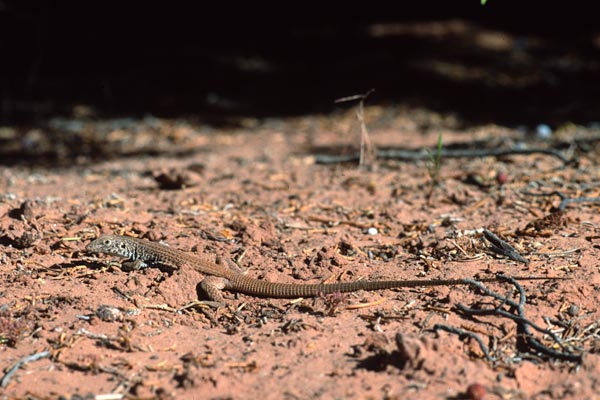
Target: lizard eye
(107, 242)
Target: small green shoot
(435, 162)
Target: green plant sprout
(435, 162)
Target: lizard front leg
(133, 265)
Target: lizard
(140, 252)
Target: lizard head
(111, 244)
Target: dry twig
(517, 314)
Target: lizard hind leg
(211, 286)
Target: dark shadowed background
(508, 62)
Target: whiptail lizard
(219, 276)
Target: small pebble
(109, 313)
(501, 178)
(543, 131)
(573, 310)
(372, 231)
(476, 391)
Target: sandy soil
(255, 195)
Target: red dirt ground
(256, 196)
